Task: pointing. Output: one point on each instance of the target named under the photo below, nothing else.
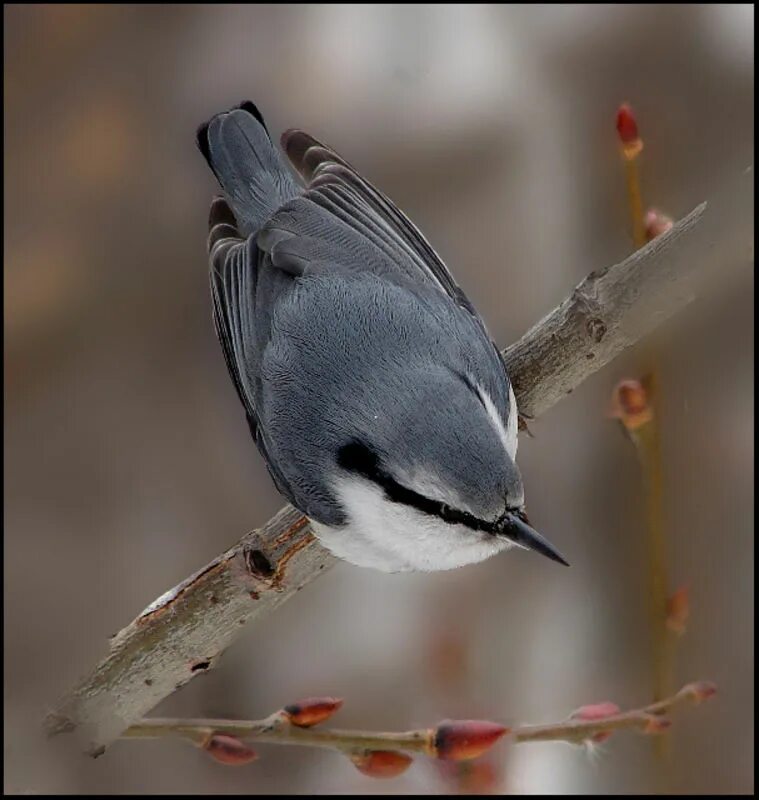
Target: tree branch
(584, 725)
(183, 633)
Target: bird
(371, 386)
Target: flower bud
(627, 126)
(594, 712)
(656, 223)
(700, 691)
(471, 777)
(630, 404)
(655, 724)
(627, 130)
(312, 710)
(459, 740)
(229, 750)
(381, 763)
(678, 610)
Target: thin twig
(276, 729)
(635, 197)
(648, 443)
(199, 730)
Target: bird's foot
(522, 420)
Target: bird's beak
(515, 526)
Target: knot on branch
(586, 305)
(257, 563)
(596, 328)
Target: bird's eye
(357, 457)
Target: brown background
(128, 463)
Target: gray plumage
(339, 324)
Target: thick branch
(183, 633)
(614, 308)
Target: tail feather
(255, 179)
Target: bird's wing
(335, 186)
(343, 221)
(229, 270)
(233, 265)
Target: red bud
(448, 658)
(627, 126)
(700, 691)
(678, 610)
(459, 740)
(630, 404)
(595, 712)
(312, 710)
(229, 750)
(472, 777)
(381, 763)
(627, 130)
(656, 724)
(656, 223)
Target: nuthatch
(372, 388)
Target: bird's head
(446, 450)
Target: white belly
(393, 537)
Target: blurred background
(128, 463)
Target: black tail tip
(201, 139)
(252, 109)
(201, 135)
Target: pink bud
(471, 777)
(627, 130)
(595, 712)
(630, 404)
(381, 763)
(627, 126)
(700, 691)
(656, 724)
(656, 223)
(229, 750)
(460, 740)
(312, 710)
(678, 610)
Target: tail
(255, 180)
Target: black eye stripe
(357, 457)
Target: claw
(522, 424)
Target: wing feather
(320, 166)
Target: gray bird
(372, 388)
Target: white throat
(394, 537)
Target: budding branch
(277, 728)
(183, 633)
